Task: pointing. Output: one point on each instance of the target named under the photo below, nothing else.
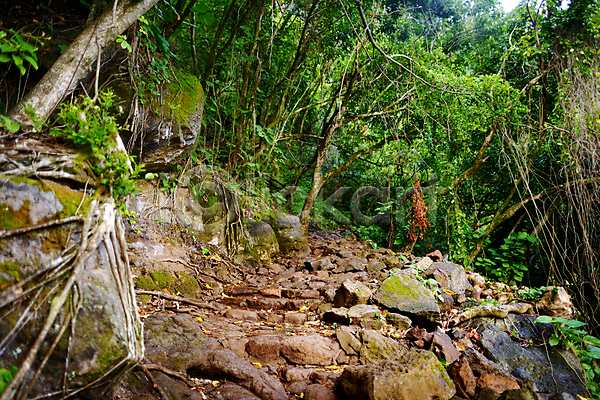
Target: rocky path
(343, 321)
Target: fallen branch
(175, 374)
(160, 391)
(178, 298)
(500, 311)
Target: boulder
(66, 294)
(262, 243)
(398, 321)
(319, 264)
(375, 347)
(289, 233)
(424, 263)
(265, 348)
(319, 392)
(417, 374)
(348, 340)
(231, 391)
(136, 383)
(405, 294)
(351, 293)
(555, 302)
(310, 349)
(550, 370)
(351, 264)
(450, 275)
(444, 347)
(361, 311)
(224, 364)
(168, 125)
(337, 316)
(175, 341)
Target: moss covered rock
(96, 337)
(289, 233)
(417, 374)
(406, 294)
(171, 123)
(262, 244)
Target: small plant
(168, 184)
(89, 126)
(9, 125)
(533, 293)
(586, 347)
(122, 40)
(7, 375)
(16, 50)
(489, 302)
(507, 264)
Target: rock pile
(342, 320)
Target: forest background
(420, 125)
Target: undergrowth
(89, 126)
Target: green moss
(70, 199)
(189, 286)
(185, 94)
(182, 96)
(11, 269)
(145, 283)
(162, 279)
(11, 219)
(404, 285)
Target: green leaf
(593, 340)
(19, 63)
(5, 58)
(7, 48)
(544, 319)
(31, 61)
(593, 352)
(571, 323)
(11, 126)
(554, 341)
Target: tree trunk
(78, 60)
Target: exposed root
(160, 391)
(178, 298)
(500, 311)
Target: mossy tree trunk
(78, 60)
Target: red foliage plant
(417, 216)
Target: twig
(160, 391)
(177, 298)
(170, 372)
(25, 229)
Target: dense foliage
(424, 125)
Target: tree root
(500, 311)
(155, 384)
(178, 298)
(170, 372)
(18, 231)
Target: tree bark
(78, 60)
